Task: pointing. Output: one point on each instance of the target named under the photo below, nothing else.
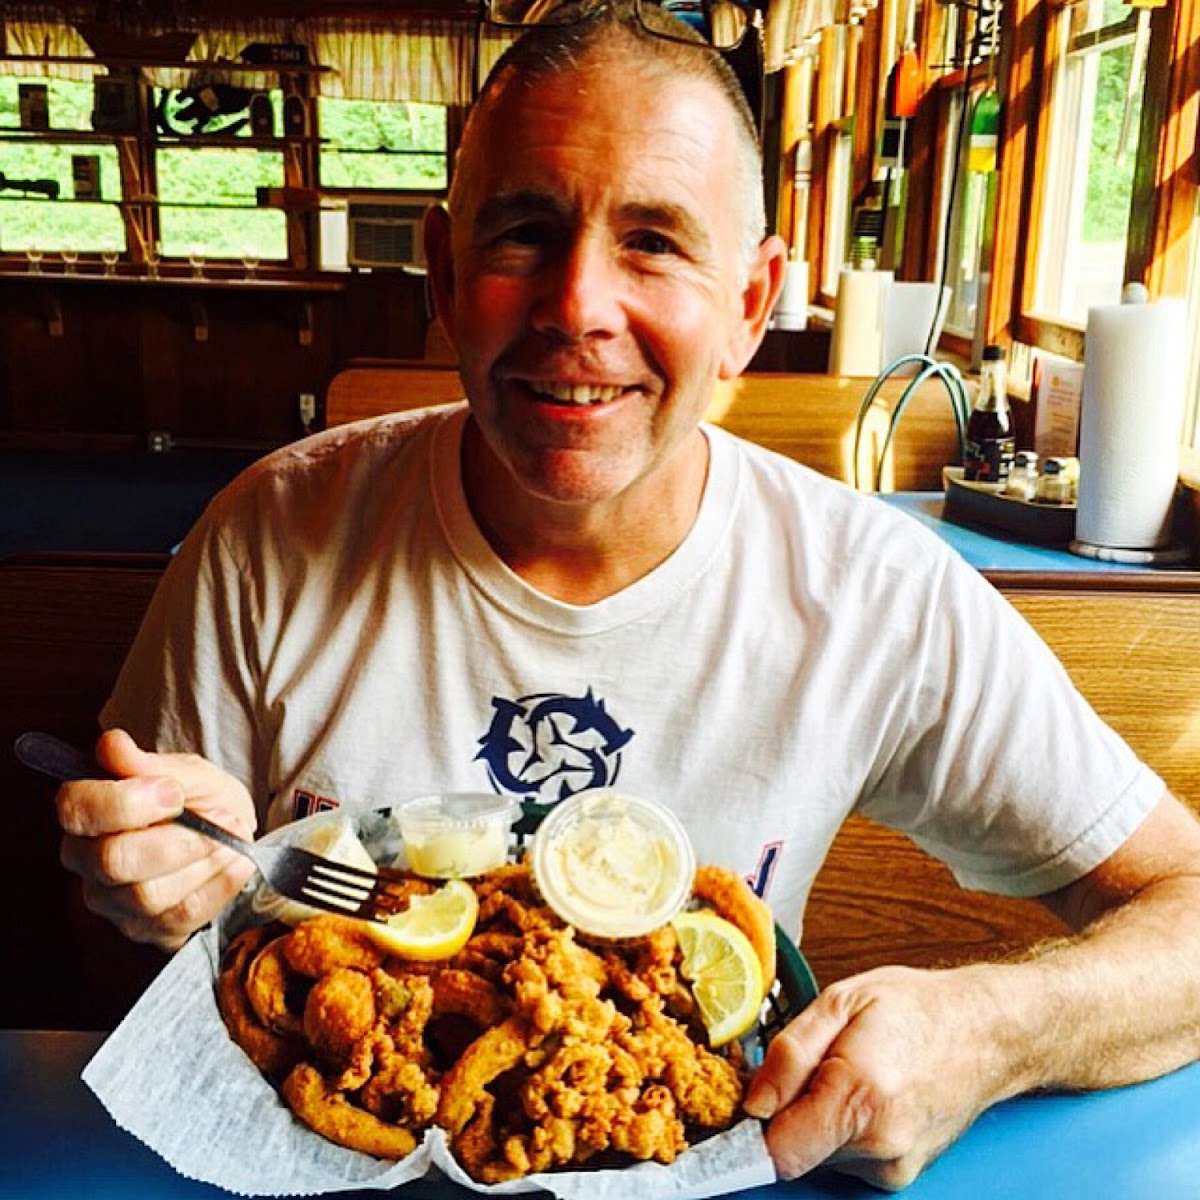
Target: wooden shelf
(177, 277)
(190, 291)
(171, 64)
(190, 141)
(9, 196)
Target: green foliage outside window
(30, 220)
(1109, 182)
(207, 194)
(398, 146)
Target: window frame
(1160, 233)
(138, 150)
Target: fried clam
(534, 1051)
(273, 1053)
(707, 1087)
(486, 954)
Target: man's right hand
(156, 881)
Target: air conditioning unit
(385, 231)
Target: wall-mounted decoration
(33, 101)
(208, 108)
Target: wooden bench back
(371, 391)
(65, 625)
(1131, 650)
(811, 418)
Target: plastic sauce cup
(613, 865)
(456, 835)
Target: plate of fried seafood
(486, 1039)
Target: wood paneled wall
(225, 364)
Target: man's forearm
(1116, 1003)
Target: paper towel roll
(1134, 372)
(791, 309)
(856, 346)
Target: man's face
(591, 283)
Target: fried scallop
(318, 946)
(339, 1012)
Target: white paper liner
(171, 1076)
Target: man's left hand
(882, 1072)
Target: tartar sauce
(613, 865)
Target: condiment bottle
(1022, 479)
(990, 442)
(1054, 483)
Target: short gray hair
(586, 26)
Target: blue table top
(1135, 1143)
(994, 551)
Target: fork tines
(350, 889)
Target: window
(1088, 184)
(181, 175)
(207, 187)
(57, 194)
(961, 269)
(398, 146)
(840, 169)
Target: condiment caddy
(969, 502)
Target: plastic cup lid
(455, 810)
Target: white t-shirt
(336, 631)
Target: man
(575, 580)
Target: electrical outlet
(308, 408)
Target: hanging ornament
(984, 132)
(904, 86)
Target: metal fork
(298, 874)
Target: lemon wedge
(724, 971)
(431, 927)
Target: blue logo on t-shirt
(546, 747)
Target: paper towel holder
(1173, 553)
(1160, 556)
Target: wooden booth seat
(67, 620)
(1129, 643)
(811, 418)
(372, 389)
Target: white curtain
(428, 61)
(44, 39)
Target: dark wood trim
(1158, 250)
(866, 104)
(119, 560)
(1025, 63)
(1176, 581)
(826, 110)
(1053, 336)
